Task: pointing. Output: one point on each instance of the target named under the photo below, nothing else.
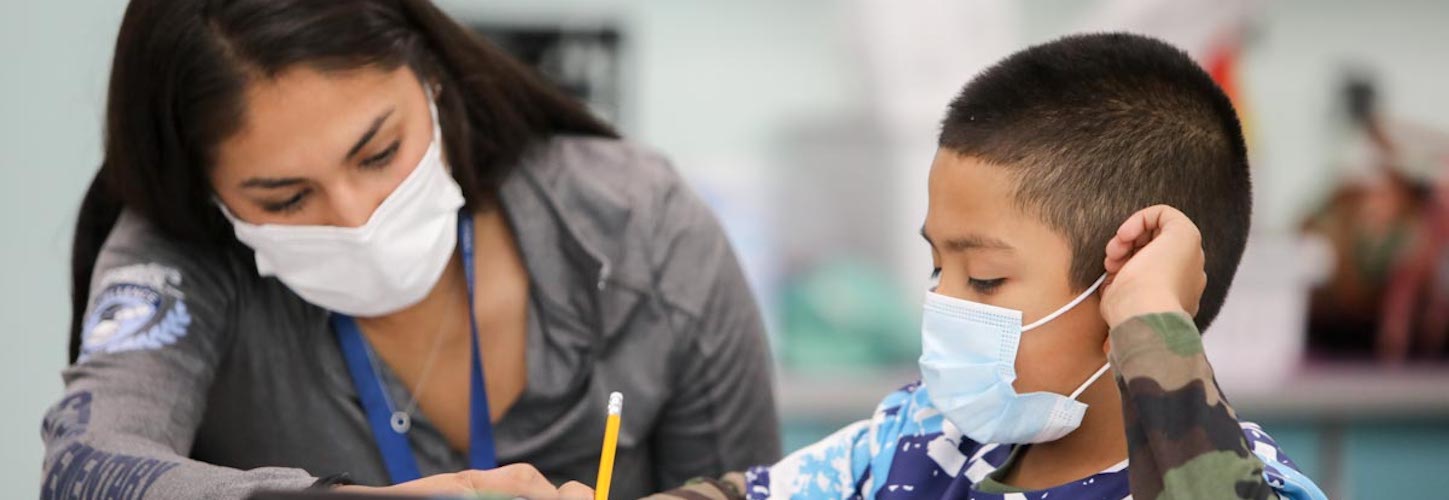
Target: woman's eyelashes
(382, 158)
(288, 205)
(295, 202)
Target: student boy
(1089, 203)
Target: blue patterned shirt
(908, 450)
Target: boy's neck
(1100, 442)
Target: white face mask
(387, 264)
(968, 362)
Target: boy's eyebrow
(968, 242)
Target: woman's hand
(1154, 264)
(515, 480)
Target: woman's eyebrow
(271, 183)
(371, 131)
(274, 183)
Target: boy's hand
(1154, 264)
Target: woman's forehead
(307, 117)
(308, 95)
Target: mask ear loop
(1090, 290)
(1082, 388)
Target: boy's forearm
(1183, 438)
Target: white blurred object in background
(916, 61)
(1199, 27)
(1257, 342)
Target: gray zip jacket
(200, 379)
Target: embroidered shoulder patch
(138, 307)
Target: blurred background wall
(809, 126)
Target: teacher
(350, 242)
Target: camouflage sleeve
(729, 487)
(1183, 438)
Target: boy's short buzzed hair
(1095, 127)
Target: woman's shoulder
(134, 239)
(630, 171)
(627, 202)
(604, 152)
(135, 247)
(148, 291)
(614, 192)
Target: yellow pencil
(611, 441)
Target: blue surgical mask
(968, 362)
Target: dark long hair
(176, 91)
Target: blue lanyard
(397, 454)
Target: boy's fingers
(1124, 242)
(1168, 219)
(1133, 227)
(1118, 249)
(1117, 253)
(1134, 233)
(1144, 238)
(1141, 229)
